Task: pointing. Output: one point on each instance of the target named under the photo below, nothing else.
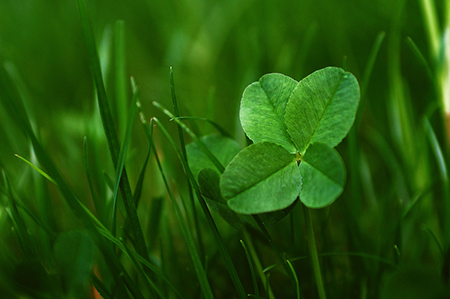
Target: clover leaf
(294, 127)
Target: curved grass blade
(297, 285)
(122, 156)
(109, 129)
(199, 270)
(184, 156)
(18, 221)
(200, 144)
(38, 170)
(443, 174)
(252, 270)
(225, 255)
(120, 74)
(218, 127)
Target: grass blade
(207, 152)
(297, 285)
(18, 221)
(120, 74)
(225, 255)
(201, 275)
(109, 129)
(184, 156)
(443, 175)
(122, 157)
(252, 270)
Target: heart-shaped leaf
(263, 177)
(263, 108)
(222, 147)
(322, 108)
(323, 174)
(209, 182)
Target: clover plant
(294, 127)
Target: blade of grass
(257, 261)
(371, 63)
(252, 270)
(314, 255)
(353, 206)
(37, 169)
(354, 254)
(227, 259)
(421, 58)
(215, 125)
(120, 74)
(274, 246)
(122, 157)
(431, 25)
(297, 285)
(200, 144)
(109, 129)
(18, 221)
(88, 176)
(198, 266)
(443, 175)
(132, 255)
(184, 156)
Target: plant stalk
(313, 253)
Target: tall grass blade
(120, 75)
(200, 144)
(122, 157)
(109, 129)
(201, 275)
(225, 255)
(371, 63)
(252, 270)
(219, 128)
(97, 205)
(443, 175)
(184, 156)
(297, 285)
(19, 224)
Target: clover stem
(313, 253)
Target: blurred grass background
(217, 48)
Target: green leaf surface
(263, 108)
(222, 147)
(322, 108)
(323, 173)
(209, 182)
(263, 177)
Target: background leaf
(323, 174)
(209, 182)
(263, 108)
(263, 177)
(222, 147)
(322, 108)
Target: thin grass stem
(313, 252)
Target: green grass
(101, 194)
